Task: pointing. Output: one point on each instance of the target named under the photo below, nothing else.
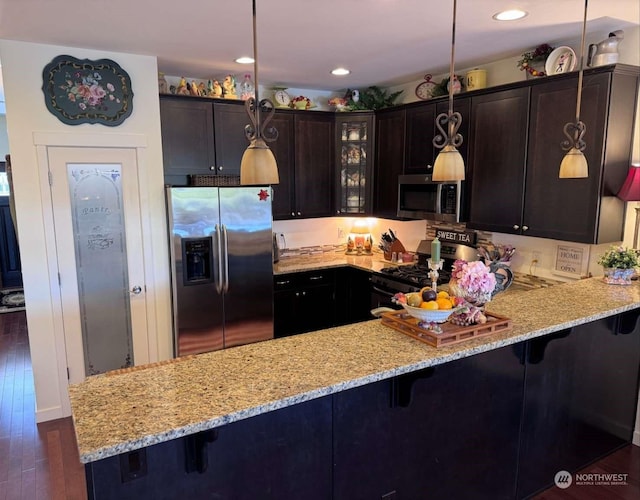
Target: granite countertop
(331, 258)
(137, 407)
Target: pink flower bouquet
(472, 281)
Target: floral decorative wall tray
(83, 91)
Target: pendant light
(258, 165)
(574, 163)
(449, 165)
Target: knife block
(397, 247)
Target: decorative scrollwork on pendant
(448, 125)
(574, 133)
(260, 128)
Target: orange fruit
(444, 303)
(432, 304)
(443, 295)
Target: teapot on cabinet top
(605, 52)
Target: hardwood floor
(36, 461)
(41, 461)
(624, 461)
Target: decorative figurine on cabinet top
(229, 86)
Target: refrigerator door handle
(220, 256)
(225, 283)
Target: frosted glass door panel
(97, 213)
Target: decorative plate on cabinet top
(561, 60)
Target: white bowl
(428, 315)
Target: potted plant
(619, 265)
(374, 98)
(533, 61)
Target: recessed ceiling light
(340, 71)
(245, 60)
(510, 15)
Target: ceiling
(383, 42)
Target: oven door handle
(383, 292)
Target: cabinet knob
(525, 228)
(299, 214)
(293, 214)
(212, 167)
(220, 168)
(516, 227)
(297, 294)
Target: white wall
(22, 65)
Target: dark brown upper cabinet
(389, 163)
(515, 155)
(201, 137)
(304, 152)
(497, 158)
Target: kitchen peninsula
(361, 411)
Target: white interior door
(99, 247)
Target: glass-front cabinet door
(354, 162)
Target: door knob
(136, 290)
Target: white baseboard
(47, 414)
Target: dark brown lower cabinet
(496, 425)
(444, 432)
(580, 398)
(303, 302)
(284, 455)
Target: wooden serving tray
(451, 334)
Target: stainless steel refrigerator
(222, 266)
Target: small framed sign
(465, 237)
(572, 260)
(83, 91)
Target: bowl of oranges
(427, 305)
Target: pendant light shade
(574, 164)
(258, 165)
(449, 165)
(630, 190)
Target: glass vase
(615, 276)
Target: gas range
(411, 278)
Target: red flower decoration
(263, 195)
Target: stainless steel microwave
(419, 197)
